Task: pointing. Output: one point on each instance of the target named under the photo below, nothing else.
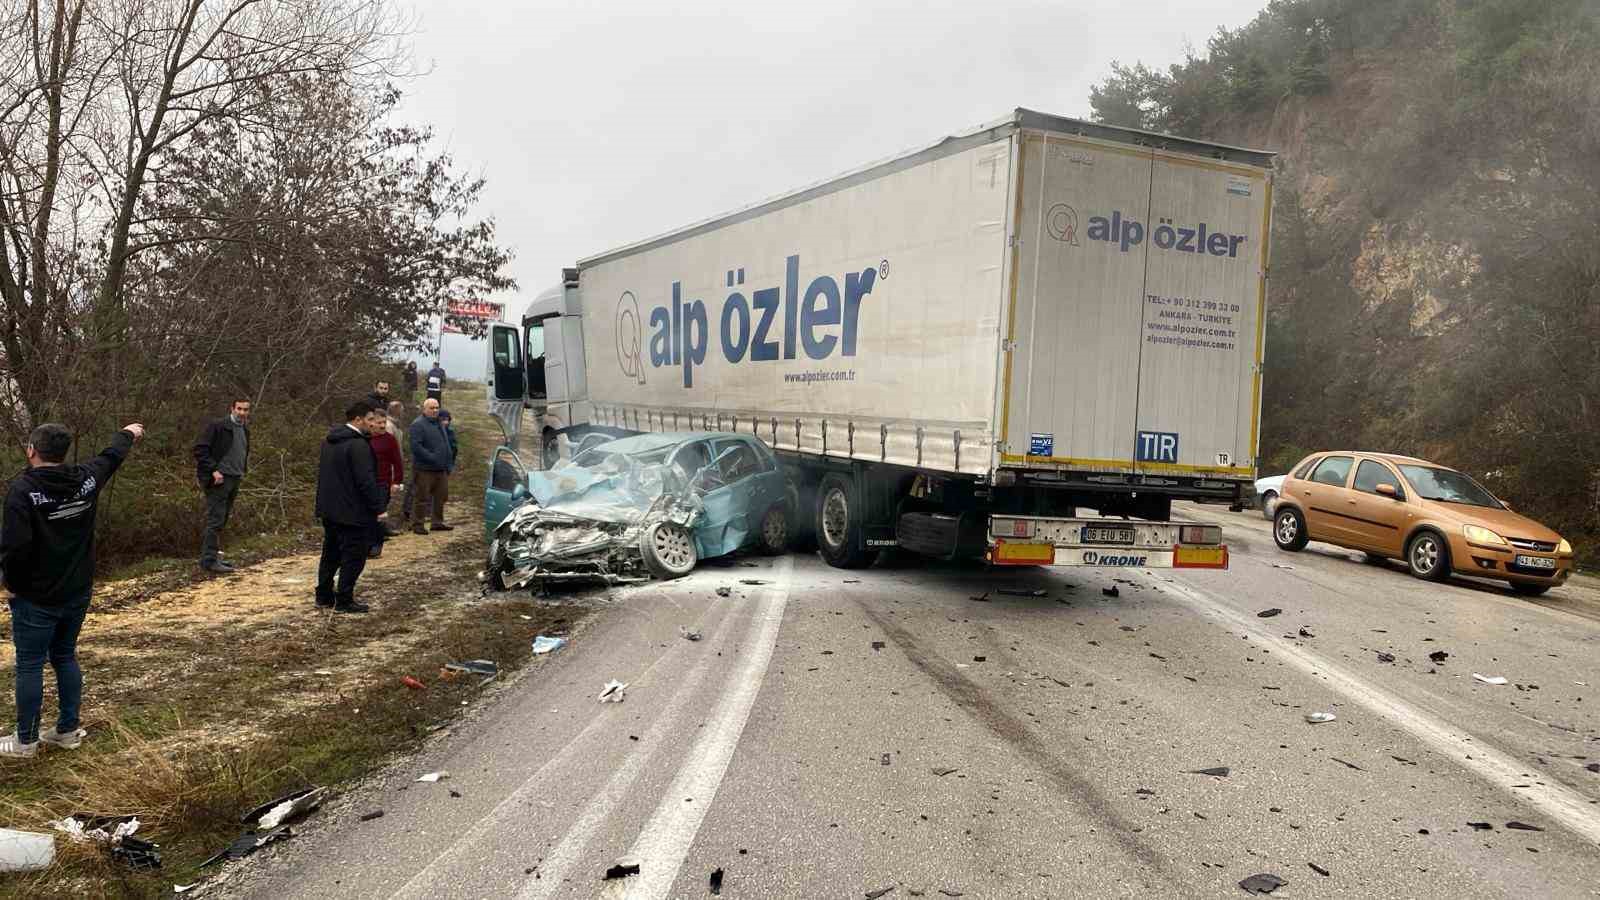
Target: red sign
(470, 309)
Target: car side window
(507, 472)
(690, 459)
(1371, 474)
(1333, 471)
(1306, 469)
(741, 463)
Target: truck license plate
(1536, 562)
(1099, 534)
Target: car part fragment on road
(1263, 883)
(878, 645)
(724, 592)
(612, 692)
(137, 853)
(487, 669)
(25, 851)
(1385, 657)
(1319, 870)
(246, 844)
(628, 865)
(286, 809)
(432, 778)
(874, 895)
(1593, 767)
(375, 814)
(1111, 591)
(1020, 592)
(686, 634)
(716, 882)
(1489, 679)
(1439, 656)
(942, 771)
(1306, 633)
(1522, 826)
(413, 683)
(1319, 718)
(1269, 613)
(1347, 765)
(1481, 826)
(1216, 772)
(884, 759)
(544, 644)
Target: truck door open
(508, 379)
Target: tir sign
(1157, 447)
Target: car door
(1378, 521)
(1323, 498)
(508, 484)
(752, 476)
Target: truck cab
(536, 369)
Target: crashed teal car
(651, 505)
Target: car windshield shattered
(1448, 486)
(646, 506)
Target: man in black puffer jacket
(348, 503)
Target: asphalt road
(790, 751)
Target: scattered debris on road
(413, 683)
(980, 659)
(686, 634)
(25, 851)
(1318, 869)
(1489, 679)
(285, 809)
(544, 644)
(1111, 591)
(246, 844)
(612, 692)
(432, 778)
(628, 865)
(1439, 656)
(137, 853)
(1020, 592)
(1319, 718)
(1481, 826)
(375, 814)
(753, 581)
(1385, 657)
(874, 895)
(101, 829)
(1522, 826)
(1306, 633)
(878, 645)
(884, 759)
(486, 669)
(1347, 765)
(1145, 792)
(981, 599)
(1215, 772)
(716, 882)
(1263, 883)
(942, 771)
(724, 592)
(1269, 613)
(1593, 767)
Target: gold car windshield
(1448, 486)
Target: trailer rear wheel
(839, 523)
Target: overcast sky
(600, 123)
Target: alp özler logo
(1062, 223)
(630, 337)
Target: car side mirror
(1388, 491)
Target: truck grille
(1535, 546)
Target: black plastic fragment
(1385, 657)
(1438, 656)
(1522, 826)
(1269, 613)
(724, 592)
(624, 867)
(874, 895)
(1481, 826)
(877, 645)
(1318, 869)
(270, 805)
(1347, 765)
(716, 882)
(375, 814)
(138, 853)
(1111, 591)
(1263, 883)
(942, 771)
(1306, 632)
(1216, 771)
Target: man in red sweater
(391, 471)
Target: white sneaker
(71, 740)
(11, 748)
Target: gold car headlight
(1564, 548)
(1482, 536)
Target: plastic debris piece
(1385, 657)
(628, 865)
(1264, 883)
(752, 581)
(981, 599)
(184, 888)
(1318, 869)
(612, 692)
(320, 673)
(25, 851)
(544, 644)
(1306, 633)
(942, 771)
(877, 645)
(980, 659)
(1020, 592)
(1439, 656)
(950, 893)
(1111, 591)
(724, 592)
(1216, 772)
(432, 777)
(1269, 613)
(412, 683)
(688, 635)
(874, 895)
(716, 882)
(1489, 679)
(486, 668)
(1319, 718)
(375, 814)
(1593, 767)
(1522, 826)
(1347, 765)
(1481, 826)
(137, 853)
(246, 844)
(289, 808)
(1145, 792)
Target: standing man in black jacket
(221, 456)
(47, 556)
(348, 503)
(436, 382)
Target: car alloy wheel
(1288, 529)
(775, 530)
(673, 546)
(1426, 556)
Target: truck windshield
(1448, 486)
(535, 358)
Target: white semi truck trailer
(952, 352)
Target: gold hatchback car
(1437, 520)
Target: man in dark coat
(47, 556)
(436, 382)
(432, 462)
(348, 503)
(221, 456)
(409, 377)
(379, 398)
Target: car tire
(1527, 589)
(1269, 500)
(774, 537)
(497, 564)
(1375, 559)
(839, 524)
(668, 550)
(1428, 556)
(1289, 530)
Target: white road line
(1561, 803)
(664, 843)
(512, 811)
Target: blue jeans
(41, 633)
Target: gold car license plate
(1536, 562)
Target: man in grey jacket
(221, 456)
(432, 462)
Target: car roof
(656, 440)
(1386, 457)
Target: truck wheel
(1289, 530)
(1428, 557)
(774, 537)
(839, 524)
(802, 528)
(668, 550)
